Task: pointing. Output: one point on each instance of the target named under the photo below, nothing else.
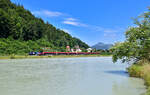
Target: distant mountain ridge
(101, 45)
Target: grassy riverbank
(141, 71)
(50, 56)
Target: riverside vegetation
(51, 56)
(136, 49)
(21, 32)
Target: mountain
(22, 32)
(101, 45)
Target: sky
(92, 21)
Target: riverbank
(50, 56)
(141, 71)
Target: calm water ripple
(67, 76)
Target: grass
(141, 71)
(49, 56)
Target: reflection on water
(67, 76)
(119, 72)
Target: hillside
(22, 32)
(102, 46)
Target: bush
(135, 71)
(12, 56)
(141, 71)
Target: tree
(5, 24)
(137, 44)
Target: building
(67, 48)
(78, 50)
(89, 50)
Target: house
(89, 49)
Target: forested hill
(22, 32)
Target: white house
(89, 49)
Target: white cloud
(50, 13)
(47, 13)
(71, 19)
(74, 23)
(71, 23)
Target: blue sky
(92, 21)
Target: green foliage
(141, 71)
(21, 32)
(103, 52)
(135, 71)
(137, 44)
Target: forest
(21, 32)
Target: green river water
(67, 76)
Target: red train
(67, 53)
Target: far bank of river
(50, 56)
(67, 76)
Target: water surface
(67, 76)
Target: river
(67, 76)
